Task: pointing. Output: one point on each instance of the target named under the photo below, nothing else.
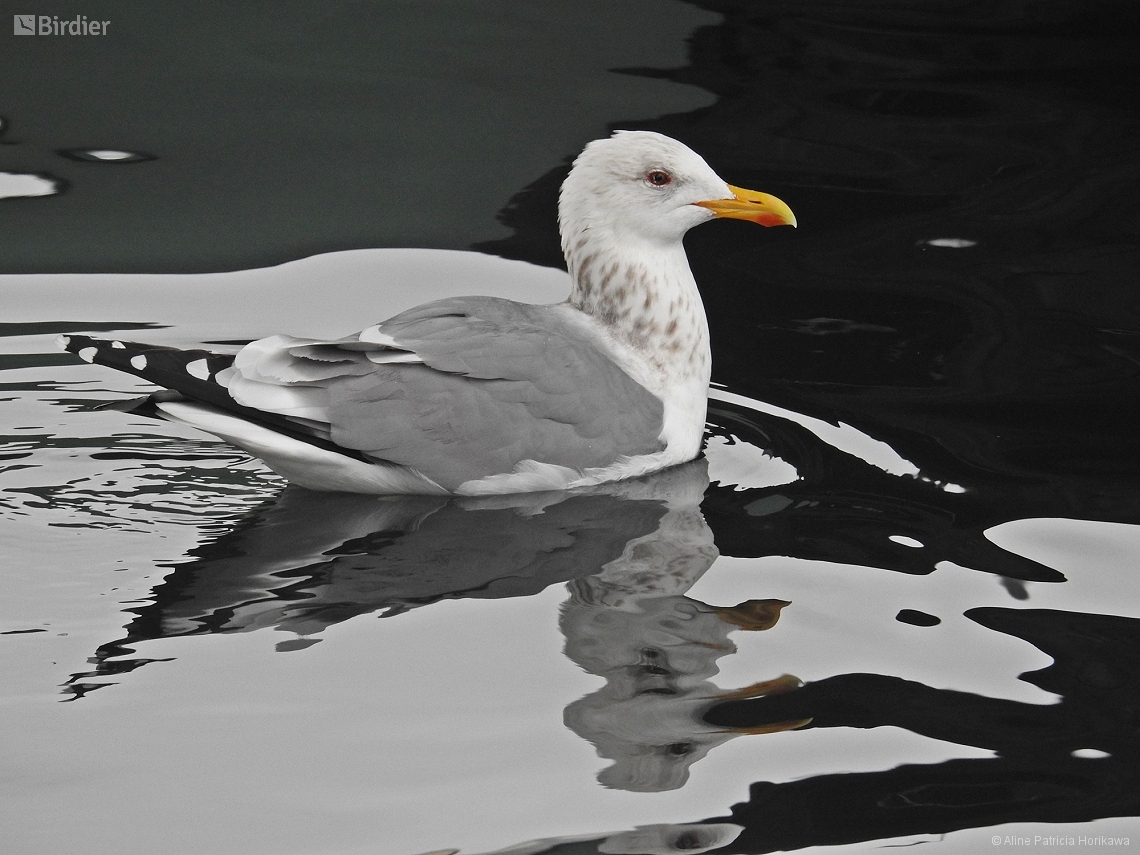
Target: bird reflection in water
(629, 552)
(306, 561)
(657, 649)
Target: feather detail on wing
(458, 390)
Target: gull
(482, 395)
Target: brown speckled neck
(648, 299)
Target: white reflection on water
(15, 184)
(742, 465)
(842, 436)
(371, 284)
(950, 243)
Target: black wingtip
(189, 374)
(194, 373)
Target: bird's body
(477, 395)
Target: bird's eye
(659, 178)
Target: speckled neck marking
(648, 298)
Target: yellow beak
(751, 205)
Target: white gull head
(637, 186)
(622, 212)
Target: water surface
(894, 603)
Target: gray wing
(458, 389)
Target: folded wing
(457, 390)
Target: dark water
(920, 497)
